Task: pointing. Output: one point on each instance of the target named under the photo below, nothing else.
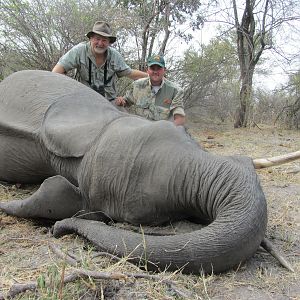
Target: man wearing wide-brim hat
(97, 64)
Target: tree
(255, 34)
(267, 104)
(210, 78)
(158, 20)
(36, 33)
(290, 110)
(257, 24)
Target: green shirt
(155, 105)
(78, 58)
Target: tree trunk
(243, 112)
(166, 29)
(249, 53)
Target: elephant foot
(56, 199)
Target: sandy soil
(25, 255)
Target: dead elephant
(98, 162)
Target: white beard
(99, 50)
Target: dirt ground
(26, 255)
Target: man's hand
(179, 120)
(120, 101)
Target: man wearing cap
(97, 64)
(155, 98)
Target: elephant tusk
(269, 247)
(276, 160)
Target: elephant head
(161, 176)
(221, 192)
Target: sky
(275, 67)
(278, 63)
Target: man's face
(156, 74)
(99, 43)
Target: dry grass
(25, 255)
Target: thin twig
(294, 171)
(65, 256)
(256, 125)
(82, 273)
(111, 256)
(18, 288)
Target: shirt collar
(162, 83)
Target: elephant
(98, 165)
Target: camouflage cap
(156, 60)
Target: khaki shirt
(162, 105)
(78, 58)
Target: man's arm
(59, 69)
(177, 108)
(71, 59)
(136, 74)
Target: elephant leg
(56, 199)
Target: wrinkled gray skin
(92, 157)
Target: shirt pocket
(161, 113)
(143, 103)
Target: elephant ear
(72, 123)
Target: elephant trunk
(234, 204)
(194, 252)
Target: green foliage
(290, 113)
(210, 76)
(179, 9)
(157, 22)
(219, 56)
(294, 83)
(37, 32)
(49, 284)
(280, 107)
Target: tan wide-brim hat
(102, 28)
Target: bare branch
(71, 261)
(17, 289)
